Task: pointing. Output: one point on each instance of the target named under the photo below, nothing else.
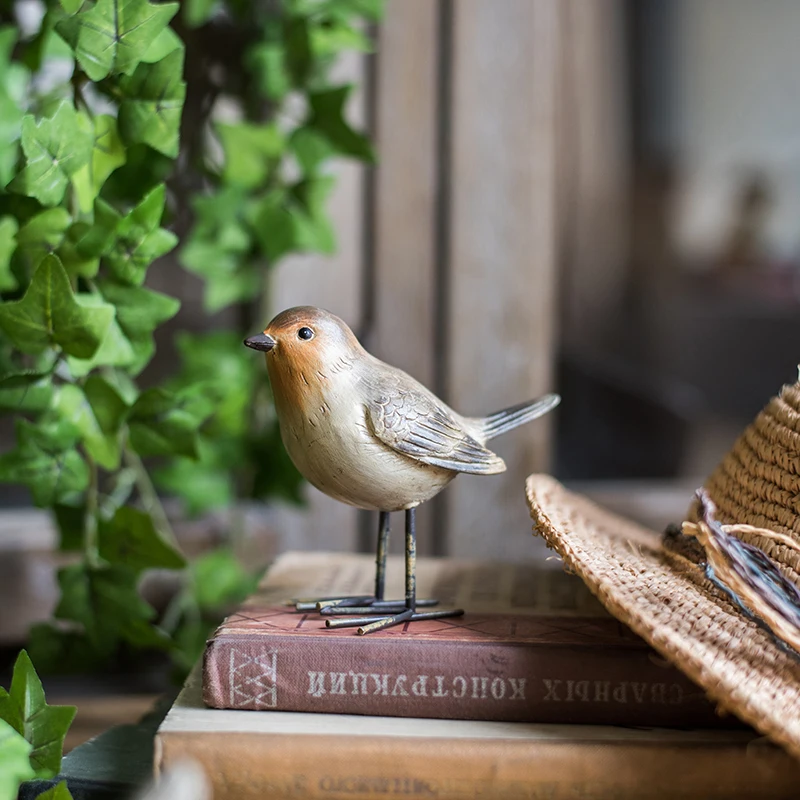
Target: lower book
(283, 755)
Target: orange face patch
(297, 365)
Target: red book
(533, 646)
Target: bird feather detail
(411, 424)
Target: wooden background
(447, 261)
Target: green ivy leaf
(29, 397)
(219, 249)
(296, 220)
(46, 462)
(51, 433)
(20, 380)
(55, 650)
(165, 43)
(43, 233)
(343, 10)
(197, 12)
(119, 490)
(202, 486)
(140, 240)
(114, 351)
(310, 148)
(108, 153)
(218, 579)
(113, 36)
(8, 244)
(13, 87)
(139, 312)
(164, 423)
(44, 726)
(57, 792)
(225, 265)
(297, 42)
(251, 152)
(97, 411)
(70, 522)
(267, 61)
(75, 261)
(331, 39)
(15, 765)
(314, 229)
(106, 602)
(50, 314)
(85, 241)
(150, 111)
(327, 118)
(218, 363)
(55, 148)
(275, 474)
(130, 538)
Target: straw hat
(658, 587)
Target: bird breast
(326, 432)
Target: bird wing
(413, 424)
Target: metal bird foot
(371, 624)
(373, 612)
(358, 604)
(374, 606)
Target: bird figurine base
(367, 434)
(374, 613)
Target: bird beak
(261, 341)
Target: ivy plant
(108, 160)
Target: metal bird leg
(364, 604)
(404, 611)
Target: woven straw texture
(758, 481)
(667, 600)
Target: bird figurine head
(304, 336)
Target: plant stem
(149, 495)
(90, 547)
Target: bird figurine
(369, 435)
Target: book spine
(454, 680)
(317, 767)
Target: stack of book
(535, 692)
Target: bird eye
(305, 333)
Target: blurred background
(598, 198)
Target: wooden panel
(593, 167)
(334, 283)
(405, 209)
(502, 264)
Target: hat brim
(668, 601)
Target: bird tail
(513, 417)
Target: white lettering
(552, 691)
(381, 683)
(602, 691)
(400, 686)
(316, 683)
(419, 687)
(337, 682)
(518, 688)
(359, 682)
